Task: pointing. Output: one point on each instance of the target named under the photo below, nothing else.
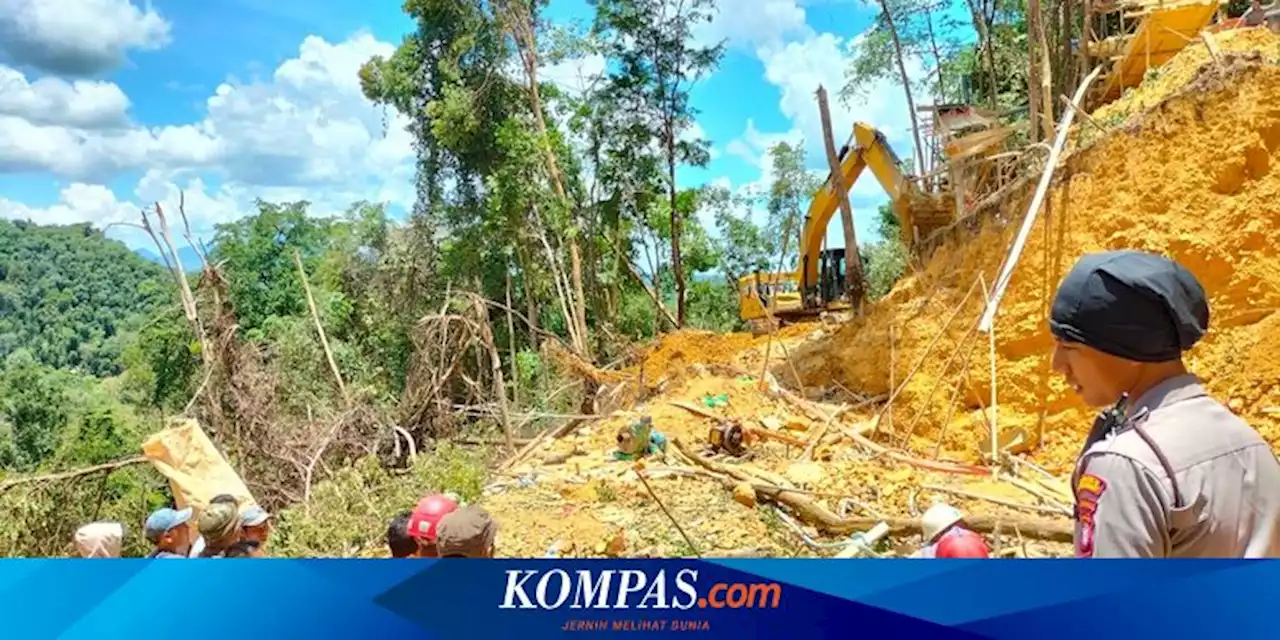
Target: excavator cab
(818, 281)
(832, 275)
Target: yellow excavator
(818, 282)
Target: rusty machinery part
(728, 437)
(633, 438)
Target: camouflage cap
(468, 532)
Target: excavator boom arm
(871, 151)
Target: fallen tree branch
(490, 441)
(66, 475)
(548, 434)
(993, 500)
(942, 467)
(1047, 496)
(816, 438)
(828, 522)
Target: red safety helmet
(427, 515)
(962, 544)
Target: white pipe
(997, 292)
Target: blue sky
(107, 106)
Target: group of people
(440, 526)
(223, 530)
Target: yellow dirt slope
(1196, 177)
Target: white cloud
(746, 24)
(797, 68)
(77, 203)
(53, 101)
(77, 37)
(753, 146)
(574, 75)
(307, 132)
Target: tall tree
(657, 62)
(882, 54)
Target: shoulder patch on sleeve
(1088, 490)
(1090, 485)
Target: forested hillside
(69, 296)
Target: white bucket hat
(937, 519)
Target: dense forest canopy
(70, 297)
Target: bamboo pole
(929, 349)
(995, 409)
(315, 316)
(1046, 178)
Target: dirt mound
(1176, 74)
(1196, 177)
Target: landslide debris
(1192, 173)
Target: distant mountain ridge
(186, 255)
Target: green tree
(257, 256)
(789, 197)
(651, 42)
(885, 260)
(33, 401)
(69, 296)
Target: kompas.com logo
(586, 589)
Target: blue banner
(780, 599)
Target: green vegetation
(69, 298)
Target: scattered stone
(618, 545)
(805, 473)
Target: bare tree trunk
(937, 54)
(495, 367)
(1033, 71)
(986, 40)
(530, 300)
(562, 288)
(188, 300)
(1046, 82)
(653, 295)
(677, 265)
(1086, 38)
(1066, 78)
(853, 267)
(315, 316)
(526, 39)
(579, 299)
(906, 87)
(511, 339)
(1036, 51)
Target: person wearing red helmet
(962, 543)
(424, 522)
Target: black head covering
(1133, 305)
